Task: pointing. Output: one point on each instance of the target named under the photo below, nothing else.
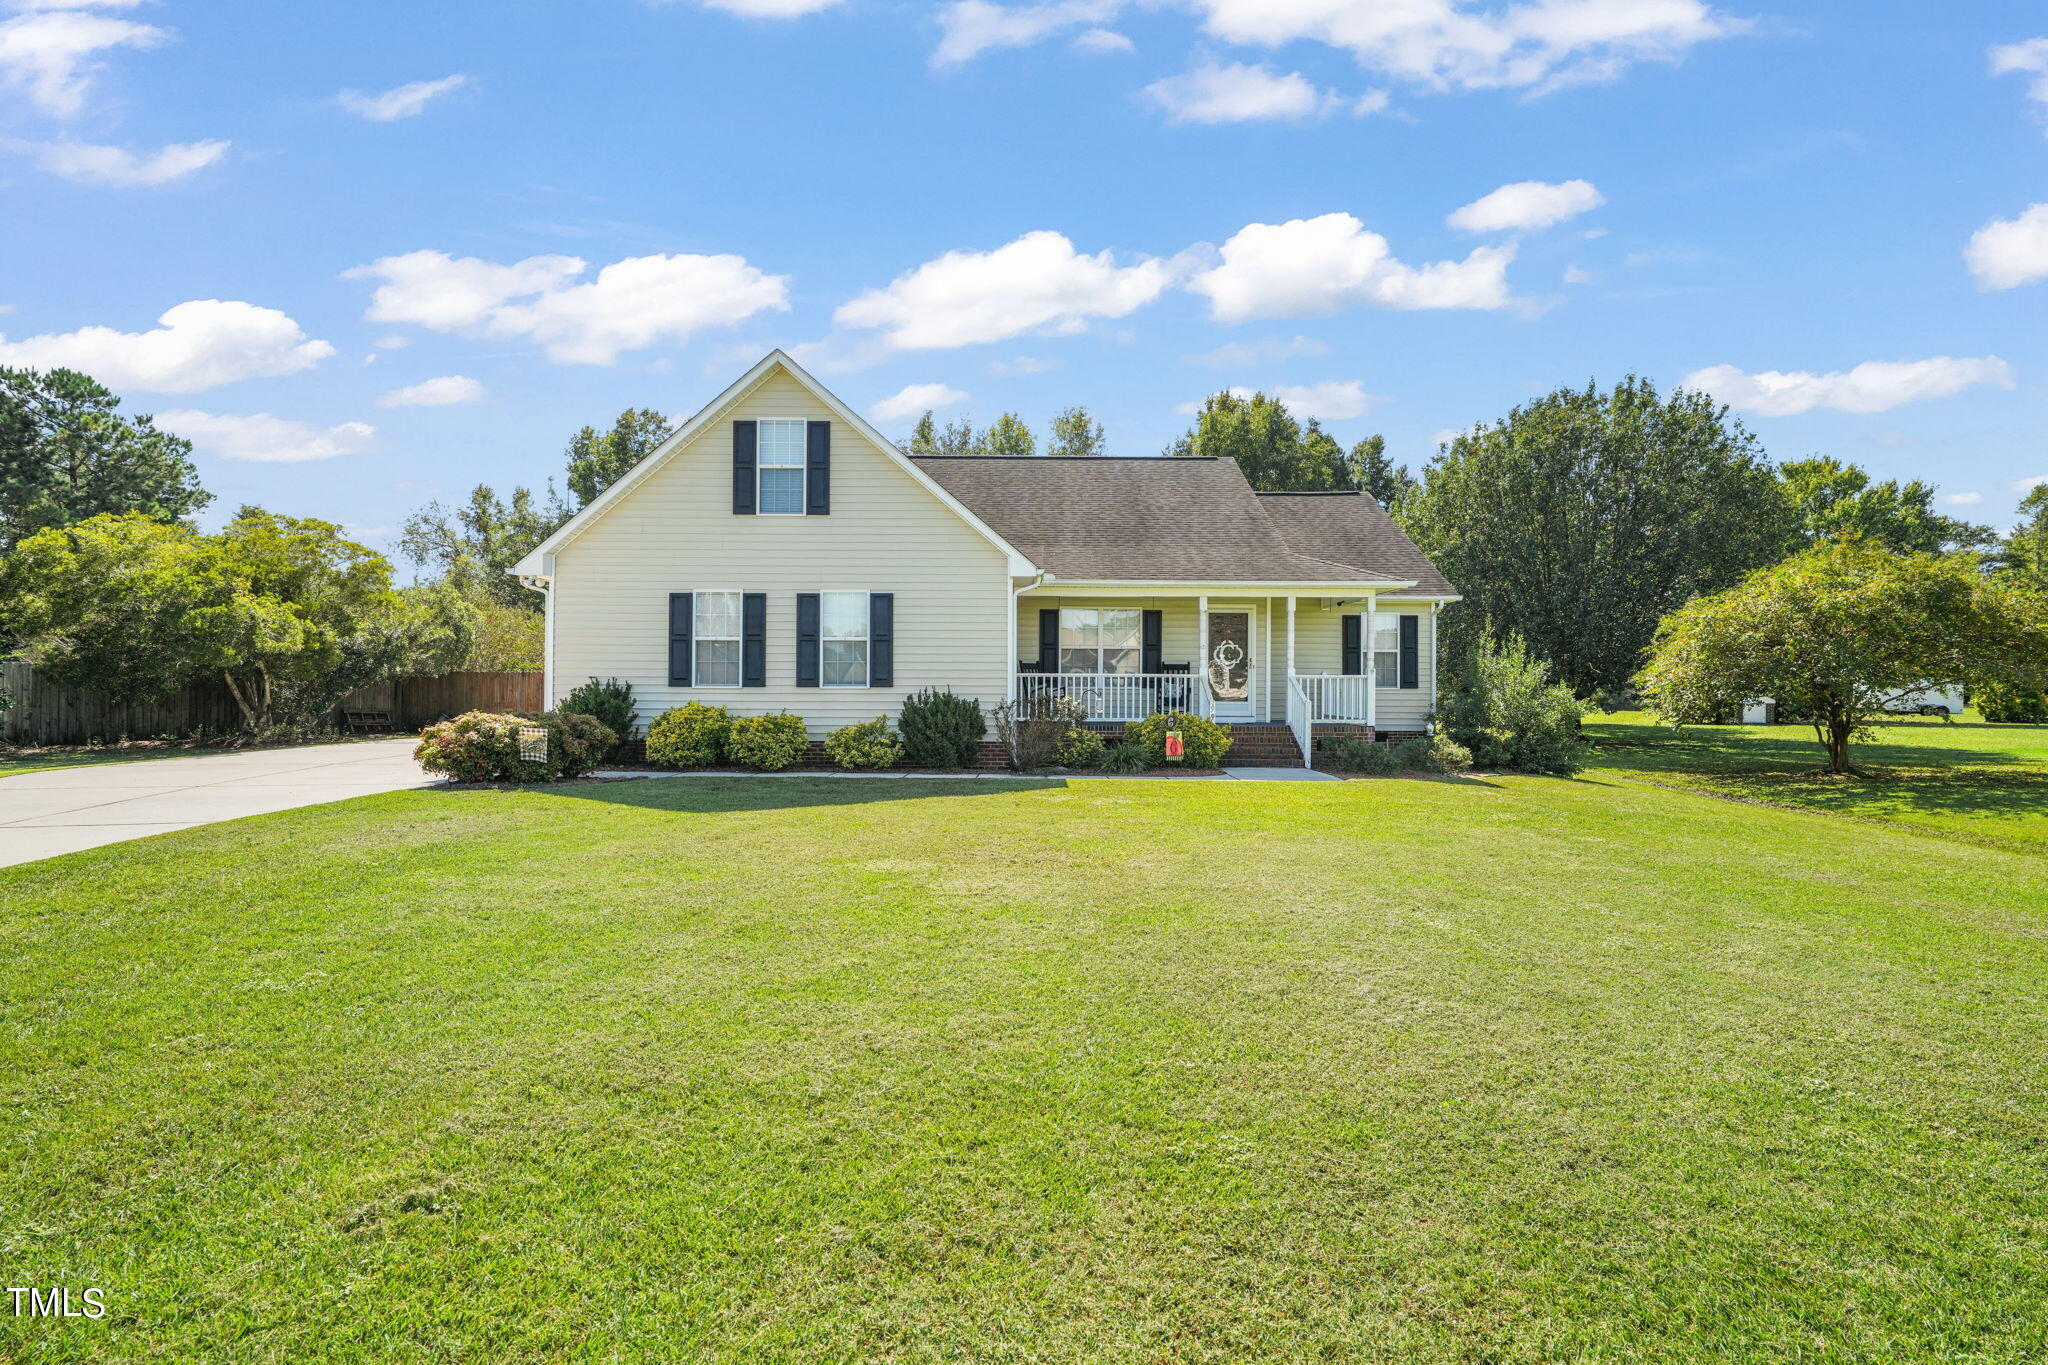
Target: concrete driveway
(45, 814)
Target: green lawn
(1500, 1070)
(1962, 779)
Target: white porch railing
(1337, 696)
(1115, 696)
(1299, 717)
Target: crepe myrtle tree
(1839, 633)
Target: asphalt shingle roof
(1177, 520)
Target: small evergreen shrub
(610, 701)
(2004, 704)
(483, 746)
(690, 736)
(1357, 754)
(941, 729)
(1442, 754)
(767, 744)
(1203, 741)
(868, 746)
(1125, 758)
(1079, 748)
(1508, 714)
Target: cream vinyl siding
(675, 532)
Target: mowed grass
(1497, 1070)
(1962, 779)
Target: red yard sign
(1174, 752)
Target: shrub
(2005, 704)
(610, 701)
(1442, 754)
(483, 746)
(1357, 754)
(869, 745)
(1508, 714)
(690, 736)
(1203, 741)
(1125, 758)
(1078, 748)
(941, 730)
(1033, 728)
(767, 743)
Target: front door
(1230, 664)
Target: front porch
(1298, 663)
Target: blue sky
(414, 247)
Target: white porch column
(1372, 680)
(1205, 704)
(1290, 644)
(1010, 649)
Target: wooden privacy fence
(46, 712)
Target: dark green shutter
(746, 443)
(1354, 646)
(681, 609)
(1048, 640)
(807, 639)
(754, 639)
(881, 639)
(817, 469)
(1411, 651)
(1152, 657)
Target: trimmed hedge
(941, 729)
(867, 746)
(1203, 741)
(767, 743)
(692, 736)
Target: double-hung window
(1386, 650)
(1101, 640)
(716, 631)
(843, 638)
(780, 454)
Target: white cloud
(265, 439)
(630, 305)
(198, 345)
(1526, 206)
(1576, 275)
(47, 53)
(2030, 58)
(1333, 400)
(2025, 486)
(90, 164)
(972, 27)
(1438, 44)
(1037, 283)
(912, 399)
(1312, 266)
(402, 102)
(1104, 40)
(2008, 252)
(1874, 386)
(1238, 94)
(1962, 499)
(1023, 364)
(770, 9)
(392, 343)
(446, 391)
(1237, 354)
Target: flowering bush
(690, 736)
(483, 746)
(1203, 741)
(767, 743)
(870, 745)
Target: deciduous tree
(1839, 633)
(1009, 437)
(597, 460)
(1075, 433)
(1835, 501)
(473, 547)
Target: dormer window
(782, 468)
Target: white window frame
(802, 466)
(697, 637)
(1100, 649)
(867, 637)
(1386, 623)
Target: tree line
(1576, 523)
